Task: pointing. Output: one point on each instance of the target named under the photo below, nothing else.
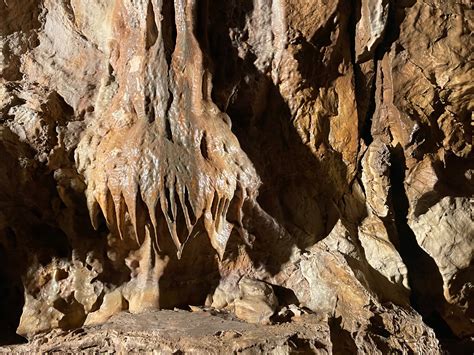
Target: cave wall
(154, 152)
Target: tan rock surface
(159, 154)
(168, 332)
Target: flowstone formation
(299, 170)
(162, 146)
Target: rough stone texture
(438, 233)
(171, 332)
(276, 159)
(251, 300)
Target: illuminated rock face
(158, 153)
(161, 147)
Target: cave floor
(179, 331)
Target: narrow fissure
(151, 28)
(168, 28)
(203, 146)
(189, 207)
(424, 277)
(359, 88)
(168, 131)
(366, 132)
(149, 110)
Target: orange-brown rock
(303, 165)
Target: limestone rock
(180, 331)
(370, 27)
(112, 304)
(446, 233)
(252, 158)
(383, 256)
(257, 302)
(63, 293)
(376, 177)
(226, 293)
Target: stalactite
(162, 168)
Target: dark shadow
(190, 279)
(36, 226)
(285, 295)
(425, 279)
(51, 242)
(458, 347)
(11, 289)
(296, 199)
(74, 313)
(341, 339)
(377, 331)
(385, 290)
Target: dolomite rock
(158, 154)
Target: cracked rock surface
(297, 173)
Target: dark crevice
(74, 313)
(51, 242)
(151, 28)
(364, 84)
(366, 131)
(169, 102)
(342, 342)
(359, 79)
(215, 202)
(168, 29)
(11, 288)
(285, 295)
(183, 233)
(371, 88)
(189, 207)
(149, 110)
(424, 277)
(203, 146)
(69, 11)
(300, 345)
(168, 131)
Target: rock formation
(304, 166)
